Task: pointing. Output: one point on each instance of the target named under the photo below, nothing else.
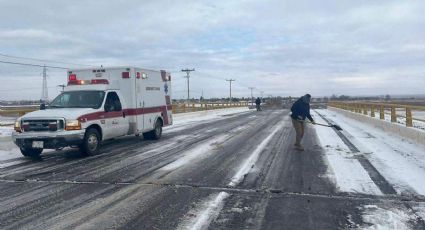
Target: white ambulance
(96, 105)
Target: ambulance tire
(91, 143)
(30, 152)
(156, 133)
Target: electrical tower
(230, 81)
(44, 92)
(188, 76)
(252, 97)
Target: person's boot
(299, 147)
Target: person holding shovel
(300, 110)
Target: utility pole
(252, 98)
(44, 92)
(62, 86)
(188, 76)
(230, 81)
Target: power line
(27, 64)
(42, 60)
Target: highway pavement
(237, 172)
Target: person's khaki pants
(299, 130)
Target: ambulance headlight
(73, 125)
(17, 126)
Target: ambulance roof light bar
(89, 82)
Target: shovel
(337, 127)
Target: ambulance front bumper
(50, 140)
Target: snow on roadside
(6, 131)
(402, 163)
(8, 150)
(379, 218)
(181, 120)
(419, 209)
(343, 169)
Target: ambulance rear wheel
(91, 143)
(156, 133)
(30, 152)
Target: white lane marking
(213, 206)
(197, 152)
(210, 210)
(249, 163)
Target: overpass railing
(193, 107)
(401, 113)
(177, 108)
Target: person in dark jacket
(300, 111)
(258, 104)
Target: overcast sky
(280, 47)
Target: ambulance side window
(112, 102)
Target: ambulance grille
(42, 125)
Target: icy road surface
(222, 170)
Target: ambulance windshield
(78, 99)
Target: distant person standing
(258, 103)
(300, 110)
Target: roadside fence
(396, 113)
(185, 108)
(177, 108)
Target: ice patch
(205, 212)
(195, 153)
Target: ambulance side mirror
(42, 106)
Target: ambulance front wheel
(156, 133)
(91, 143)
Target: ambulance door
(139, 102)
(116, 121)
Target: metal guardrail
(177, 108)
(17, 111)
(185, 108)
(371, 108)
